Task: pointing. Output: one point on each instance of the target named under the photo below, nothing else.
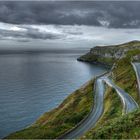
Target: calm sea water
(31, 84)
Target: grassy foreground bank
(112, 109)
(123, 127)
(124, 74)
(114, 125)
(61, 119)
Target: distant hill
(109, 54)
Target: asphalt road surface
(93, 117)
(129, 105)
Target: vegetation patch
(107, 55)
(114, 125)
(123, 127)
(61, 119)
(112, 109)
(89, 57)
(124, 75)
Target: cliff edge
(107, 55)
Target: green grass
(106, 54)
(112, 109)
(88, 57)
(114, 125)
(107, 62)
(124, 75)
(56, 122)
(134, 43)
(123, 127)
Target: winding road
(94, 115)
(89, 122)
(129, 104)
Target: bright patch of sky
(47, 35)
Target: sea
(32, 83)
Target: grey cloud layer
(110, 14)
(68, 33)
(29, 33)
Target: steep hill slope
(126, 126)
(107, 55)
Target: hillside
(121, 126)
(114, 123)
(107, 55)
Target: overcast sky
(90, 22)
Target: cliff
(107, 55)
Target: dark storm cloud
(111, 14)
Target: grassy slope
(115, 125)
(54, 123)
(123, 127)
(108, 61)
(124, 75)
(134, 43)
(113, 109)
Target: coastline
(115, 70)
(105, 65)
(86, 117)
(85, 92)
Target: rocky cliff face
(109, 54)
(136, 58)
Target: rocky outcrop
(136, 58)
